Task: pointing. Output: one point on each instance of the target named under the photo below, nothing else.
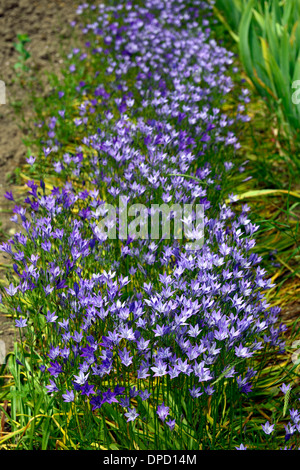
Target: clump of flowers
(134, 322)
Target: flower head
(68, 396)
(285, 388)
(21, 323)
(162, 411)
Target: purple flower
(11, 290)
(295, 416)
(55, 369)
(52, 387)
(195, 392)
(87, 389)
(285, 388)
(144, 394)
(21, 323)
(241, 351)
(125, 357)
(171, 424)
(47, 151)
(30, 160)
(61, 284)
(54, 352)
(197, 307)
(162, 411)
(109, 397)
(133, 392)
(160, 369)
(64, 324)
(8, 195)
(77, 336)
(241, 447)
(51, 317)
(119, 390)
(81, 378)
(125, 402)
(48, 289)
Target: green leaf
(260, 19)
(19, 47)
(245, 52)
(284, 58)
(23, 38)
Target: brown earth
(46, 22)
